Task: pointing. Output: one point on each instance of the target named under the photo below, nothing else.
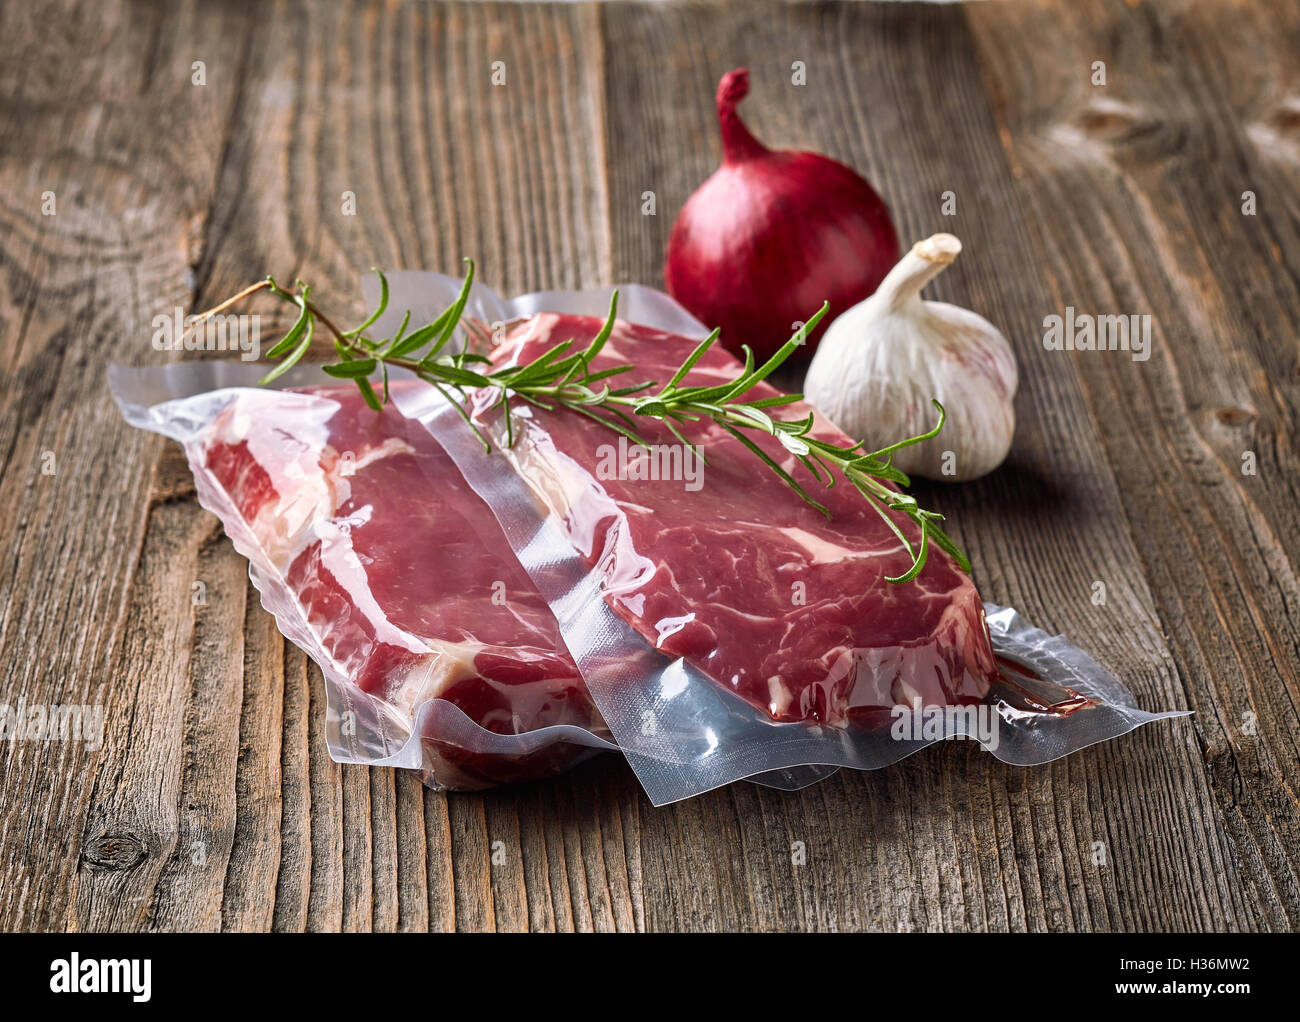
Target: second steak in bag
(383, 565)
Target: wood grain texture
(213, 804)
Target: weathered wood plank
(1136, 188)
(83, 121)
(295, 861)
(213, 803)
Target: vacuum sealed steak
(722, 564)
(398, 571)
(723, 628)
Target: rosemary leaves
(564, 377)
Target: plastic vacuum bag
(378, 560)
(488, 618)
(678, 591)
(382, 564)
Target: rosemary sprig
(563, 377)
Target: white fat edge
(393, 445)
(290, 456)
(627, 505)
(320, 490)
(727, 609)
(910, 695)
(445, 664)
(778, 695)
(820, 551)
(666, 627)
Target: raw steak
(757, 589)
(409, 586)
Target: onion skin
(771, 235)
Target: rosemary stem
(338, 334)
(203, 317)
(566, 378)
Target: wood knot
(1285, 119)
(1111, 120)
(1102, 127)
(114, 852)
(1234, 416)
(1277, 132)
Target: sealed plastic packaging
(724, 627)
(379, 561)
(487, 618)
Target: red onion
(772, 234)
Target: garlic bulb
(882, 361)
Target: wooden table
(212, 803)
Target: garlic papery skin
(881, 362)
